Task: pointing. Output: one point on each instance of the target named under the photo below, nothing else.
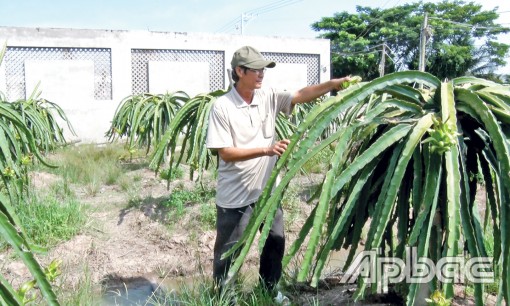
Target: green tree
(462, 39)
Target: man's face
(251, 77)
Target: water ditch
(150, 289)
(153, 289)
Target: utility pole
(423, 42)
(382, 63)
(251, 14)
(245, 17)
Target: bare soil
(124, 244)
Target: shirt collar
(240, 103)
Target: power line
(271, 7)
(355, 53)
(230, 24)
(239, 22)
(466, 25)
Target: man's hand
(309, 93)
(339, 83)
(278, 148)
(346, 82)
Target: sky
(288, 18)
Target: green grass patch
(48, 220)
(203, 292)
(177, 173)
(182, 201)
(207, 216)
(89, 165)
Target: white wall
(68, 83)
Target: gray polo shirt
(234, 123)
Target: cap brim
(260, 64)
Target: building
(89, 72)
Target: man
(242, 131)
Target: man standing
(242, 131)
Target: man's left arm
(312, 92)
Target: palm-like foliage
(406, 164)
(284, 126)
(17, 147)
(16, 144)
(301, 111)
(144, 118)
(40, 116)
(188, 129)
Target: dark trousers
(230, 225)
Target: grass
(320, 162)
(491, 288)
(83, 293)
(89, 165)
(49, 220)
(208, 215)
(178, 173)
(55, 215)
(291, 203)
(202, 292)
(181, 202)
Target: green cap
(250, 57)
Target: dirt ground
(122, 246)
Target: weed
(62, 189)
(161, 271)
(208, 215)
(181, 198)
(48, 220)
(491, 288)
(291, 204)
(89, 165)
(319, 163)
(26, 292)
(204, 292)
(177, 173)
(83, 293)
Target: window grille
(312, 62)
(15, 58)
(140, 65)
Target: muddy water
(147, 290)
(139, 294)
